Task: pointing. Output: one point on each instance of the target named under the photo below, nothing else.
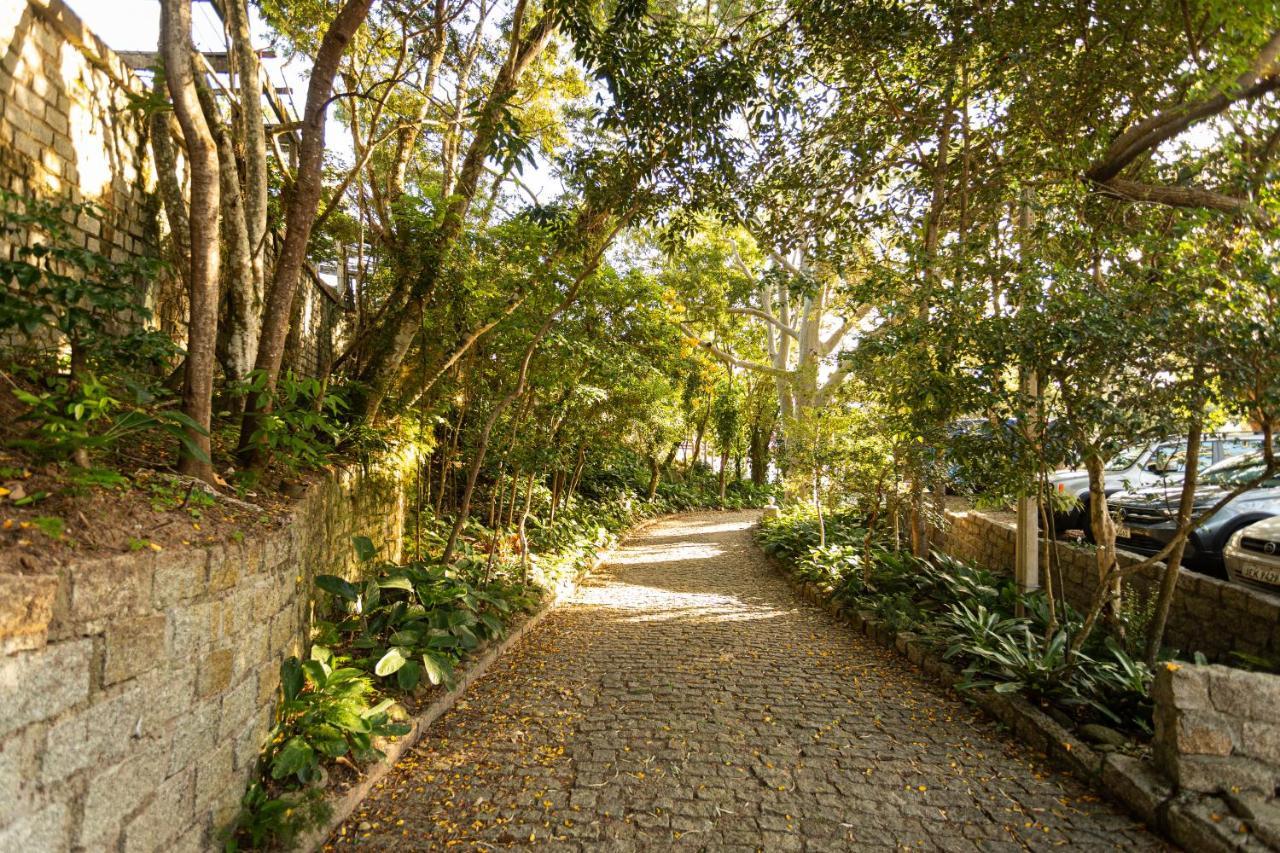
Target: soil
(50, 516)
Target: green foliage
(324, 713)
(300, 422)
(52, 288)
(274, 821)
(418, 619)
(77, 330)
(967, 613)
(81, 415)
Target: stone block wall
(67, 131)
(1209, 615)
(1218, 729)
(136, 691)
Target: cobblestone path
(688, 699)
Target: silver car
(1160, 464)
(1253, 555)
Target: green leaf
(316, 672)
(291, 678)
(406, 638)
(379, 708)
(439, 668)
(493, 623)
(409, 675)
(365, 549)
(348, 719)
(340, 587)
(396, 583)
(391, 661)
(294, 758)
(328, 740)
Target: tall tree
(204, 246)
(300, 214)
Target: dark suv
(1146, 520)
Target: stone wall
(1209, 615)
(67, 130)
(1218, 729)
(136, 691)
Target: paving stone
(687, 698)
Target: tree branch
(768, 318)
(1190, 197)
(1146, 135)
(727, 358)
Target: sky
(127, 25)
(135, 25)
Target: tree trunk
(918, 518)
(577, 473)
(758, 455)
(555, 496)
(697, 438)
(450, 450)
(391, 342)
(1169, 580)
(171, 194)
(246, 289)
(1104, 536)
(655, 475)
(524, 517)
(202, 155)
(238, 328)
(511, 504)
(464, 505)
(300, 213)
(78, 368)
(817, 503)
(724, 473)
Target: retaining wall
(1218, 729)
(1208, 615)
(136, 692)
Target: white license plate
(1123, 532)
(1261, 573)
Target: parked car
(1253, 555)
(1146, 520)
(1159, 464)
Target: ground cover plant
(967, 614)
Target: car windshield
(1126, 458)
(1238, 471)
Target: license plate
(1261, 573)
(1123, 532)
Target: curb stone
(1190, 822)
(346, 804)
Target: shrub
(420, 618)
(968, 613)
